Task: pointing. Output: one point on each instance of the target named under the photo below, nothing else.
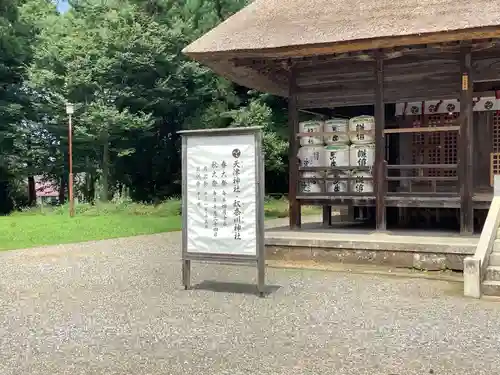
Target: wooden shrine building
(429, 68)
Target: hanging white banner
(221, 194)
(430, 107)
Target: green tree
(109, 57)
(120, 62)
(14, 56)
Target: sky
(62, 5)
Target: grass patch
(278, 208)
(18, 231)
(45, 225)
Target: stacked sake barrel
(362, 152)
(311, 155)
(337, 153)
(346, 145)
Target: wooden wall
(483, 146)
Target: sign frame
(259, 258)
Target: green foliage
(257, 113)
(168, 208)
(14, 56)
(120, 62)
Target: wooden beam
(426, 64)
(403, 72)
(348, 79)
(441, 83)
(407, 74)
(392, 89)
(380, 145)
(293, 128)
(413, 53)
(339, 88)
(466, 150)
(351, 98)
(335, 67)
(421, 130)
(485, 70)
(368, 99)
(396, 80)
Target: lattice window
(438, 147)
(450, 143)
(496, 132)
(494, 165)
(450, 151)
(433, 157)
(417, 137)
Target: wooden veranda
(403, 61)
(409, 74)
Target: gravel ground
(117, 307)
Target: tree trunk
(105, 168)
(62, 190)
(218, 10)
(92, 188)
(89, 182)
(31, 191)
(6, 202)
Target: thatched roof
(272, 24)
(278, 28)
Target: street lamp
(70, 109)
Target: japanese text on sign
(221, 194)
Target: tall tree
(15, 55)
(120, 62)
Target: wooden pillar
(327, 216)
(379, 171)
(466, 151)
(293, 127)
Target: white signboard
(221, 194)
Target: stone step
(491, 288)
(494, 259)
(492, 273)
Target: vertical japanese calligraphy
(221, 194)
(224, 194)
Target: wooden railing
(402, 185)
(405, 184)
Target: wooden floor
(482, 199)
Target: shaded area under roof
(310, 29)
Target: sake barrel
(358, 124)
(311, 156)
(338, 127)
(336, 155)
(337, 186)
(311, 127)
(310, 186)
(359, 185)
(362, 155)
